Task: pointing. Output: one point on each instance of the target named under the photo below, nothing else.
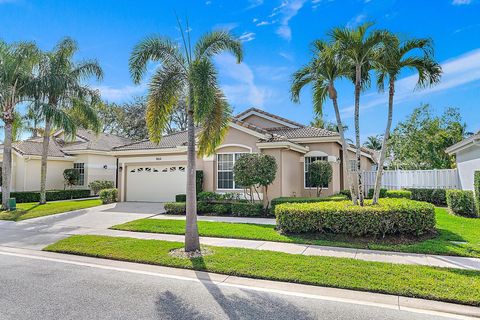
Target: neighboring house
(467, 155)
(86, 152)
(144, 171)
(157, 172)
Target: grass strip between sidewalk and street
(457, 236)
(34, 210)
(451, 285)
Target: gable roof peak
(270, 116)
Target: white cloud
(229, 26)
(458, 71)
(262, 23)
(208, 3)
(274, 73)
(247, 36)
(121, 94)
(355, 21)
(254, 4)
(461, 2)
(239, 87)
(286, 55)
(287, 10)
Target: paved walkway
(40, 232)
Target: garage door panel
(155, 183)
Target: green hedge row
(476, 187)
(390, 216)
(281, 200)
(52, 195)
(436, 196)
(383, 193)
(405, 194)
(239, 209)
(462, 203)
(108, 195)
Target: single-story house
(467, 155)
(145, 171)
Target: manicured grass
(453, 285)
(450, 228)
(34, 210)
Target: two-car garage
(154, 183)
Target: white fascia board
(148, 151)
(462, 145)
(249, 131)
(96, 152)
(361, 152)
(282, 144)
(264, 116)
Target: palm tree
(359, 48)
(322, 71)
(17, 62)
(189, 71)
(393, 58)
(60, 88)
(373, 142)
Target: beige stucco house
(144, 171)
(467, 156)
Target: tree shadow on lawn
(247, 305)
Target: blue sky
(276, 36)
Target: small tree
(319, 175)
(71, 177)
(98, 185)
(255, 170)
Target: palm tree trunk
(192, 242)
(344, 145)
(43, 166)
(358, 72)
(7, 161)
(383, 152)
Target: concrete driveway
(40, 232)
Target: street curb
(315, 292)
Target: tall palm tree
(322, 71)
(189, 71)
(17, 62)
(373, 142)
(416, 54)
(60, 88)
(359, 48)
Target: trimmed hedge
(214, 208)
(476, 187)
(281, 200)
(181, 198)
(405, 194)
(462, 203)
(436, 196)
(347, 193)
(383, 193)
(175, 207)
(98, 185)
(52, 195)
(390, 216)
(248, 209)
(108, 195)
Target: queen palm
(189, 72)
(59, 90)
(322, 71)
(373, 142)
(359, 48)
(17, 62)
(393, 58)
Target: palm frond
(216, 42)
(300, 79)
(87, 112)
(204, 84)
(60, 119)
(215, 126)
(153, 48)
(320, 94)
(429, 71)
(88, 68)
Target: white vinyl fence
(400, 179)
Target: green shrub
(436, 196)
(108, 195)
(462, 202)
(199, 180)
(52, 195)
(346, 193)
(383, 193)
(281, 200)
(209, 196)
(398, 194)
(175, 208)
(181, 198)
(98, 185)
(248, 209)
(476, 187)
(390, 216)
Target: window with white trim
(308, 161)
(352, 165)
(80, 168)
(225, 177)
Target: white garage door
(155, 183)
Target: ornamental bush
(175, 208)
(52, 195)
(281, 200)
(476, 187)
(247, 209)
(347, 193)
(383, 193)
(181, 198)
(436, 196)
(108, 195)
(462, 203)
(98, 185)
(390, 216)
(398, 194)
(319, 175)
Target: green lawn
(453, 285)
(450, 228)
(34, 210)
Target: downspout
(116, 175)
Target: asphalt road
(38, 289)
